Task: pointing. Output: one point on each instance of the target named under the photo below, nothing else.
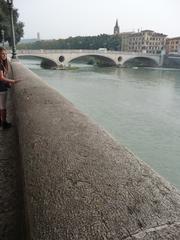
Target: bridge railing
(78, 51)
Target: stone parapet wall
(79, 183)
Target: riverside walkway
(11, 210)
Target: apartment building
(146, 41)
(173, 45)
(124, 40)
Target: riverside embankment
(79, 183)
(139, 107)
(11, 180)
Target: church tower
(116, 28)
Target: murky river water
(139, 107)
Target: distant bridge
(65, 57)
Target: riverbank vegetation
(110, 42)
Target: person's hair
(4, 62)
(2, 49)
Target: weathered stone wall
(80, 184)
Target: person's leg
(3, 115)
(0, 119)
(5, 124)
(3, 100)
(1, 106)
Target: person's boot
(6, 125)
(0, 119)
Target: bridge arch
(140, 62)
(98, 59)
(44, 60)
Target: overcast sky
(55, 19)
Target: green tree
(5, 23)
(111, 42)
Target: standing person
(5, 83)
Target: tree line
(110, 42)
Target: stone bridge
(65, 57)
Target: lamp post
(2, 34)
(10, 5)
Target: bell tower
(116, 28)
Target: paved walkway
(10, 184)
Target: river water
(139, 107)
